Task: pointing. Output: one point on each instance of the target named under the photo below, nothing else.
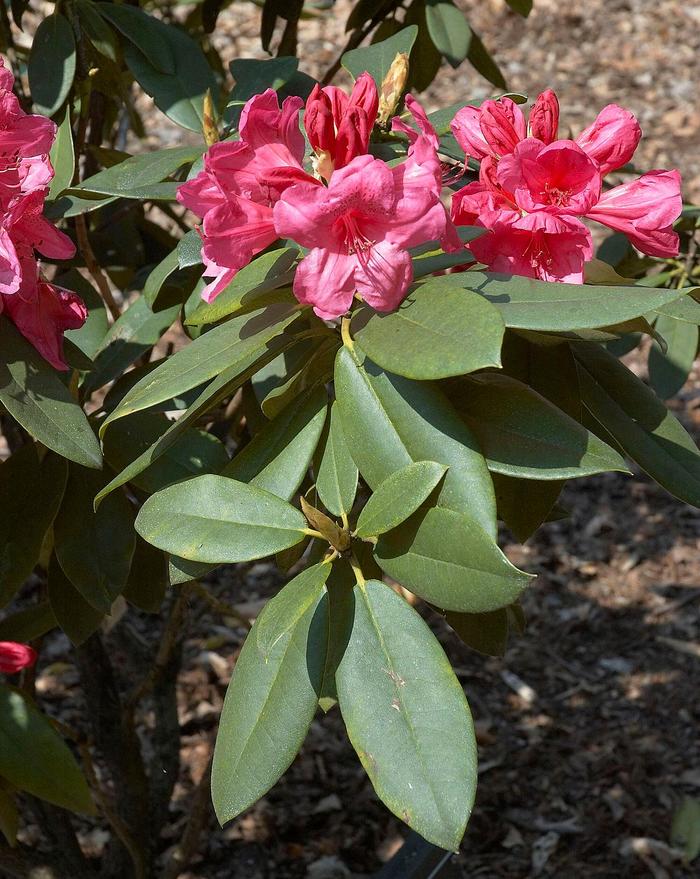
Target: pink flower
(14, 657)
(543, 122)
(612, 139)
(558, 178)
(42, 313)
(338, 126)
(522, 179)
(241, 182)
(358, 230)
(645, 210)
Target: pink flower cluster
(14, 657)
(39, 310)
(533, 189)
(357, 216)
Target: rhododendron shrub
(343, 330)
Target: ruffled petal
(612, 139)
(325, 279)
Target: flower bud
(392, 87)
(544, 117)
(14, 657)
(364, 95)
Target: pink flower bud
(14, 657)
(318, 120)
(544, 117)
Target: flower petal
(326, 279)
(612, 139)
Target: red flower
(14, 657)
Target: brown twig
(221, 607)
(93, 266)
(199, 814)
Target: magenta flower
(523, 178)
(338, 126)
(241, 182)
(358, 229)
(14, 657)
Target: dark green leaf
(53, 49)
(94, 549)
(278, 457)
(304, 373)
(336, 482)
(270, 701)
(377, 58)
(447, 559)
(33, 393)
(9, 815)
(89, 337)
(214, 519)
(522, 7)
(480, 59)
(247, 290)
(485, 632)
(31, 495)
(541, 305)
(75, 616)
(425, 337)
(143, 31)
(148, 578)
(524, 504)
(407, 717)
(34, 758)
(524, 435)
(195, 452)
(669, 371)
(639, 422)
(240, 341)
(140, 172)
(449, 30)
(686, 309)
(98, 31)
(389, 422)
(398, 497)
(62, 158)
(341, 610)
(28, 624)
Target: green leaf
(253, 76)
(389, 422)
(669, 371)
(524, 504)
(289, 606)
(215, 519)
(480, 59)
(425, 338)
(377, 58)
(74, 614)
(148, 578)
(306, 371)
(271, 700)
(526, 303)
(34, 758)
(524, 435)
(685, 828)
(249, 287)
(237, 343)
(33, 393)
(178, 93)
(28, 624)
(449, 30)
(189, 249)
(336, 481)
(341, 611)
(686, 309)
(485, 632)
(142, 30)
(89, 337)
(278, 458)
(94, 549)
(407, 717)
(71, 205)
(447, 559)
(9, 816)
(62, 158)
(134, 332)
(158, 275)
(195, 452)
(639, 422)
(138, 173)
(226, 383)
(53, 49)
(98, 31)
(398, 497)
(31, 495)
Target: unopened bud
(209, 127)
(392, 88)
